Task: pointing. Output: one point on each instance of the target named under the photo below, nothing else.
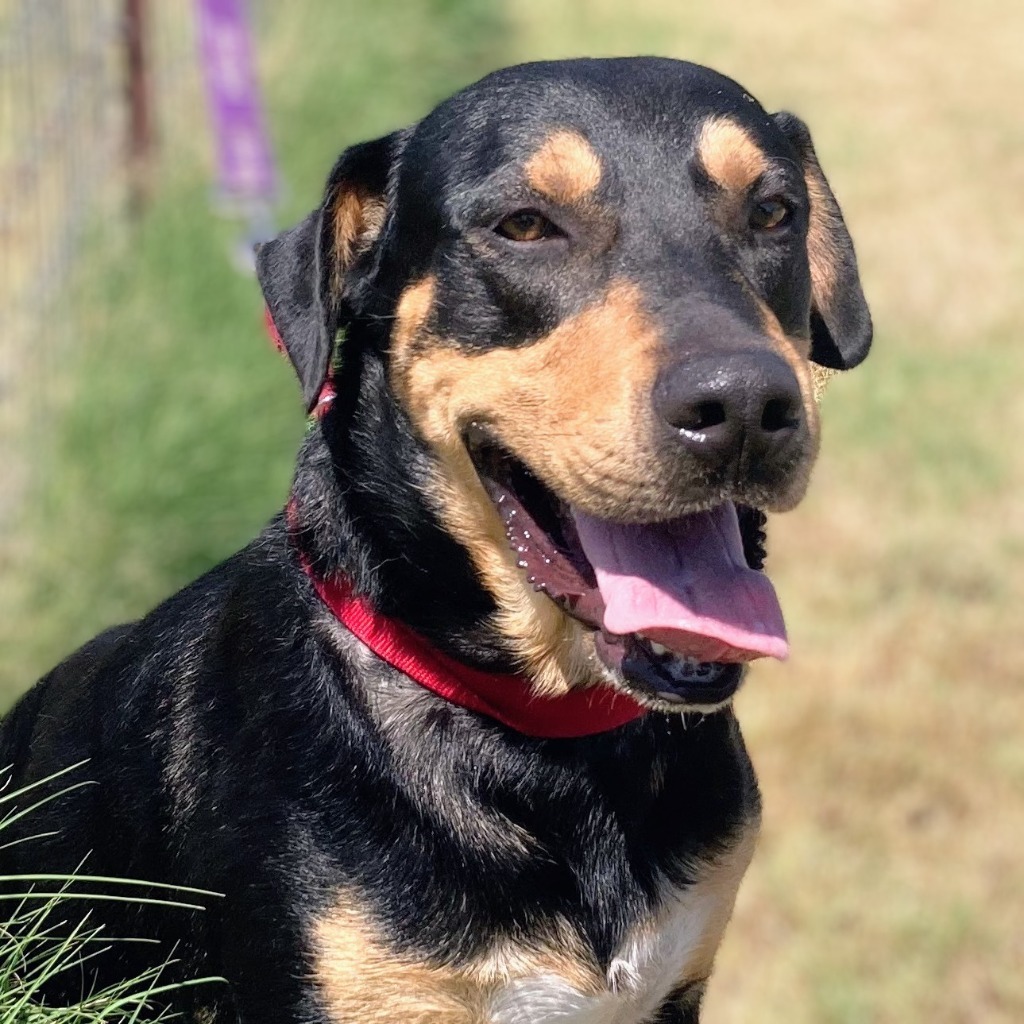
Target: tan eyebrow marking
(732, 159)
(565, 168)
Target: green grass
(177, 422)
(46, 937)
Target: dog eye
(770, 214)
(527, 226)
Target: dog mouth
(676, 607)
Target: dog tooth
(659, 648)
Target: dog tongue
(685, 584)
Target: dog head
(597, 293)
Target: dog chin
(660, 681)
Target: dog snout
(724, 409)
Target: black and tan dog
(429, 733)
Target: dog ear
(840, 320)
(306, 272)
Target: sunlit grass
(177, 421)
(47, 937)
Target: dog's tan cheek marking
(580, 384)
(795, 352)
(565, 168)
(459, 497)
(411, 315)
(583, 384)
(546, 642)
(731, 158)
(360, 979)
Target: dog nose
(722, 407)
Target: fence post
(140, 134)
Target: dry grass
(889, 885)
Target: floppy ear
(306, 272)
(840, 321)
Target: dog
(452, 738)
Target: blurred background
(148, 428)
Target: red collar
(508, 699)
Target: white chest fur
(650, 964)
(554, 980)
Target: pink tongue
(686, 585)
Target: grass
(45, 937)
(178, 422)
(888, 883)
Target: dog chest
(654, 961)
(553, 979)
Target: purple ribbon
(245, 165)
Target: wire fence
(84, 88)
